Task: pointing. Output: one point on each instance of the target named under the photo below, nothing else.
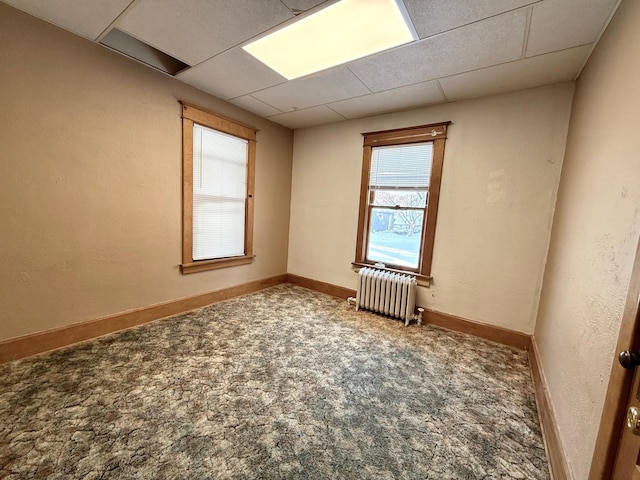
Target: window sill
(202, 265)
(423, 280)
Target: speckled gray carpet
(283, 383)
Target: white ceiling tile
(397, 99)
(88, 18)
(488, 42)
(560, 24)
(231, 74)
(256, 106)
(323, 87)
(531, 72)
(437, 16)
(307, 117)
(195, 30)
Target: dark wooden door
(627, 463)
(617, 450)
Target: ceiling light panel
(339, 33)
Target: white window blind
(219, 194)
(402, 166)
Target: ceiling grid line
(444, 95)
(258, 91)
(266, 103)
(359, 79)
(438, 79)
(479, 20)
(329, 107)
(115, 21)
(527, 29)
(558, 51)
(511, 62)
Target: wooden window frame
(194, 115)
(435, 133)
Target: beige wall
(90, 182)
(501, 170)
(595, 233)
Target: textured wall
(501, 171)
(90, 176)
(594, 237)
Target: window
(401, 171)
(218, 159)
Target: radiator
(391, 294)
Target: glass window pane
(395, 237)
(400, 198)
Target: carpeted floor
(283, 383)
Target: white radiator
(392, 294)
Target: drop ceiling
(466, 48)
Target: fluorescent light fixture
(339, 33)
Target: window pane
(401, 166)
(219, 194)
(400, 198)
(395, 236)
